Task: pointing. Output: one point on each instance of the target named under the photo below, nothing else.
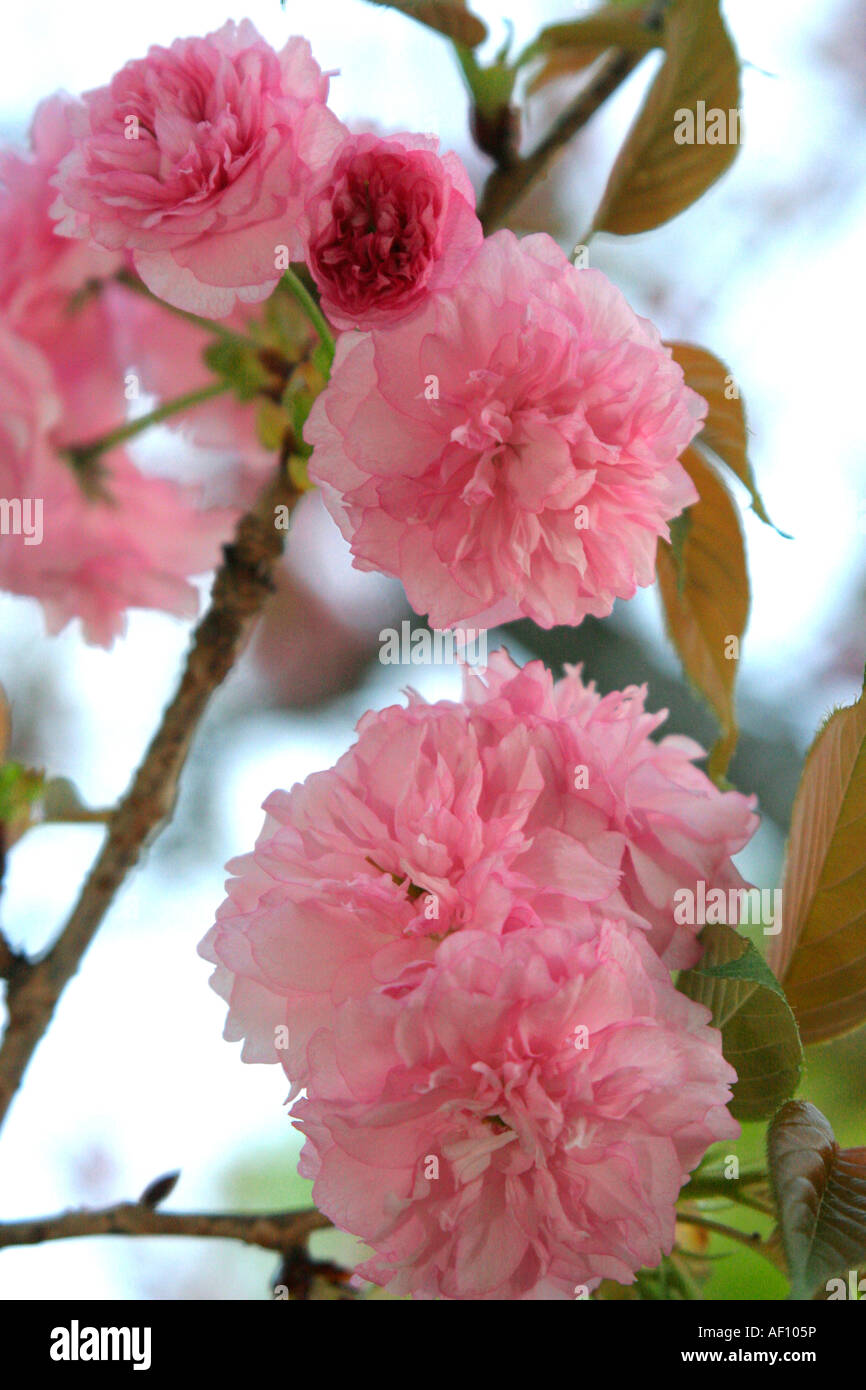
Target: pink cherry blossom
(519, 1124)
(39, 270)
(62, 382)
(89, 559)
(602, 768)
(45, 293)
(393, 222)
(512, 448)
(199, 159)
(415, 938)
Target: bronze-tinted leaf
(820, 1193)
(759, 1035)
(725, 429)
(655, 176)
(705, 595)
(571, 47)
(821, 952)
(448, 17)
(564, 63)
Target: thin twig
(754, 1240)
(505, 187)
(82, 455)
(704, 1185)
(241, 586)
(7, 958)
(270, 1230)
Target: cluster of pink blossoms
(501, 432)
(458, 943)
(62, 381)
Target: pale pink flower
(519, 1124)
(433, 796)
(40, 270)
(512, 448)
(393, 222)
(63, 382)
(602, 768)
(199, 159)
(416, 937)
(45, 290)
(86, 558)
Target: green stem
(734, 1189)
(753, 1241)
(212, 326)
(82, 455)
(469, 68)
(299, 292)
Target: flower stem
(301, 294)
(734, 1189)
(212, 326)
(752, 1239)
(82, 455)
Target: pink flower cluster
(62, 381)
(501, 432)
(201, 166)
(458, 941)
(216, 161)
(460, 950)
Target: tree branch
(241, 586)
(7, 958)
(269, 1230)
(752, 1239)
(505, 187)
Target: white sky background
(134, 1066)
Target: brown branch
(241, 586)
(271, 1230)
(7, 958)
(505, 187)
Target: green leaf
(655, 176)
(448, 17)
(820, 1193)
(725, 429)
(759, 1034)
(272, 424)
(821, 951)
(704, 588)
(570, 47)
(20, 787)
(239, 365)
